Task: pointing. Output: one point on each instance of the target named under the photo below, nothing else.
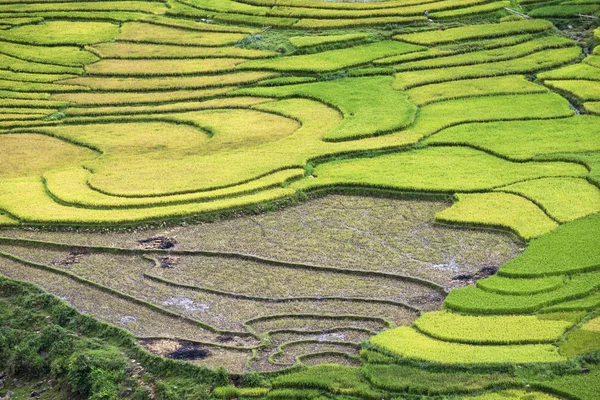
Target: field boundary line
(230, 255)
(281, 299)
(120, 294)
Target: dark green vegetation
(49, 350)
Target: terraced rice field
(281, 283)
(330, 199)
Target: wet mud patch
(175, 349)
(157, 243)
(225, 339)
(189, 351)
(75, 256)
(168, 262)
(427, 301)
(471, 279)
(211, 356)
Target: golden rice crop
(125, 98)
(70, 187)
(502, 210)
(62, 33)
(130, 50)
(166, 83)
(150, 33)
(20, 155)
(162, 67)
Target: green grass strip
(498, 210)
(229, 6)
(531, 63)
(378, 110)
(514, 329)
(166, 83)
(121, 5)
(520, 287)
(162, 67)
(409, 379)
(565, 199)
(559, 11)
(6, 220)
(512, 84)
(448, 170)
(130, 51)
(408, 10)
(169, 108)
(572, 248)
(511, 395)
(18, 65)
(60, 55)
(34, 87)
(133, 98)
(332, 60)
(584, 90)
(486, 56)
(473, 300)
(70, 187)
(470, 11)
(310, 23)
(33, 103)
(337, 379)
(574, 386)
(319, 40)
(475, 32)
(15, 21)
(594, 61)
(409, 343)
(571, 72)
(33, 77)
(158, 34)
(286, 80)
(336, 5)
(588, 303)
(255, 20)
(293, 394)
(62, 33)
(583, 340)
(523, 140)
(7, 94)
(231, 392)
(196, 25)
(27, 199)
(115, 17)
(455, 48)
(592, 107)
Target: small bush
(95, 372)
